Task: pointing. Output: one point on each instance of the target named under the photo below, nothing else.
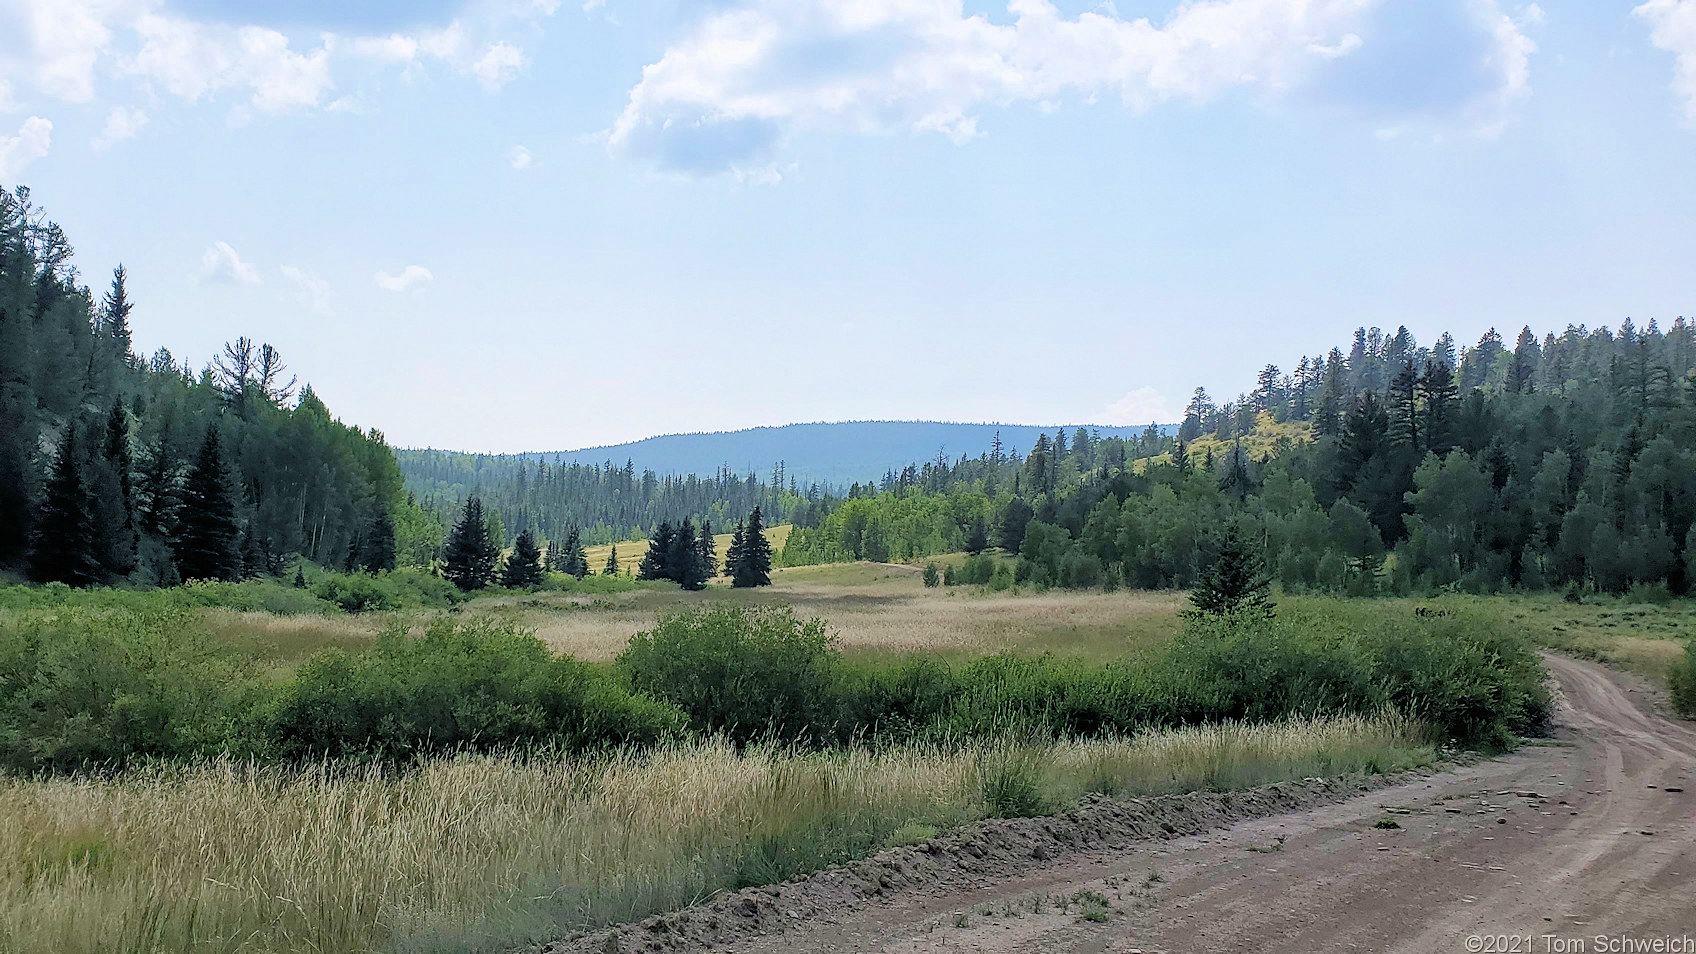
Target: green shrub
(477, 684)
(80, 687)
(977, 569)
(932, 579)
(747, 672)
(1682, 682)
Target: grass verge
(482, 853)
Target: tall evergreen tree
(611, 569)
(656, 562)
(209, 537)
(1235, 583)
(706, 550)
(683, 562)
(65, 549)
(112, 497)
(977, 537)
(753, 566)
(468, 556)
(733, 555)
(523, 568)
(377, 543)
(1438, 393)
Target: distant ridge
(836, 453)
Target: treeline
(604, 503)
(115, 468)
(1564, 461)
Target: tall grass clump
(484, 853)
(1682, 682)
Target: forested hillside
(833, 454)
(608, 501)
(120, 468)
(1565, 460)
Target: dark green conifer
(753, 564)
(655, 562)
(468, 556)
(523, 567)
(611, 569)
(208, 541)
(1236, 583)
(64, 549)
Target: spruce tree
(468, 556)
(706, 549)
(753, 564)
(611, 569)
(733, 555)
(977, 538)
(1181, 458)
(523, 567)
(377, 543)
(577, 557)
(65, 549)
(208, 541)
(551, 557)
(684, 560)
(1236, 583)
(112, 497)
(654, 565)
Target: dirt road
(1589, 835)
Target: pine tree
(112, 498)
(684, 559)
(377, 543)
(575, 561)
(1404, 410)
(977, 538)
(611, 569)
(753, 565)
(706, 549)
(734, 555)
(655, 563)
(65, 549)
(552, 556)
(468, 556)
(1236, 583)
(1438, 392)
(1181, 458)
(523, 567)
(208, 542)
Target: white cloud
(58, 47)
(122, 123)
(411, 276)
(220, 263)
(729, 91)
(31, 143)
(1142, 406)
(1672, 27)
(498, 65)
(520, 157)
(192, 60)
(394, 48)
(314, 291)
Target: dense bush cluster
(83, 685)
(750, 673)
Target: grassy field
(485, 853)
(630, 551)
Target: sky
(504, 225)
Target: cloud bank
(750, 74)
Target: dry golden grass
(879, 608)
(485, 853)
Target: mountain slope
(831, 453)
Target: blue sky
(527, 224)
